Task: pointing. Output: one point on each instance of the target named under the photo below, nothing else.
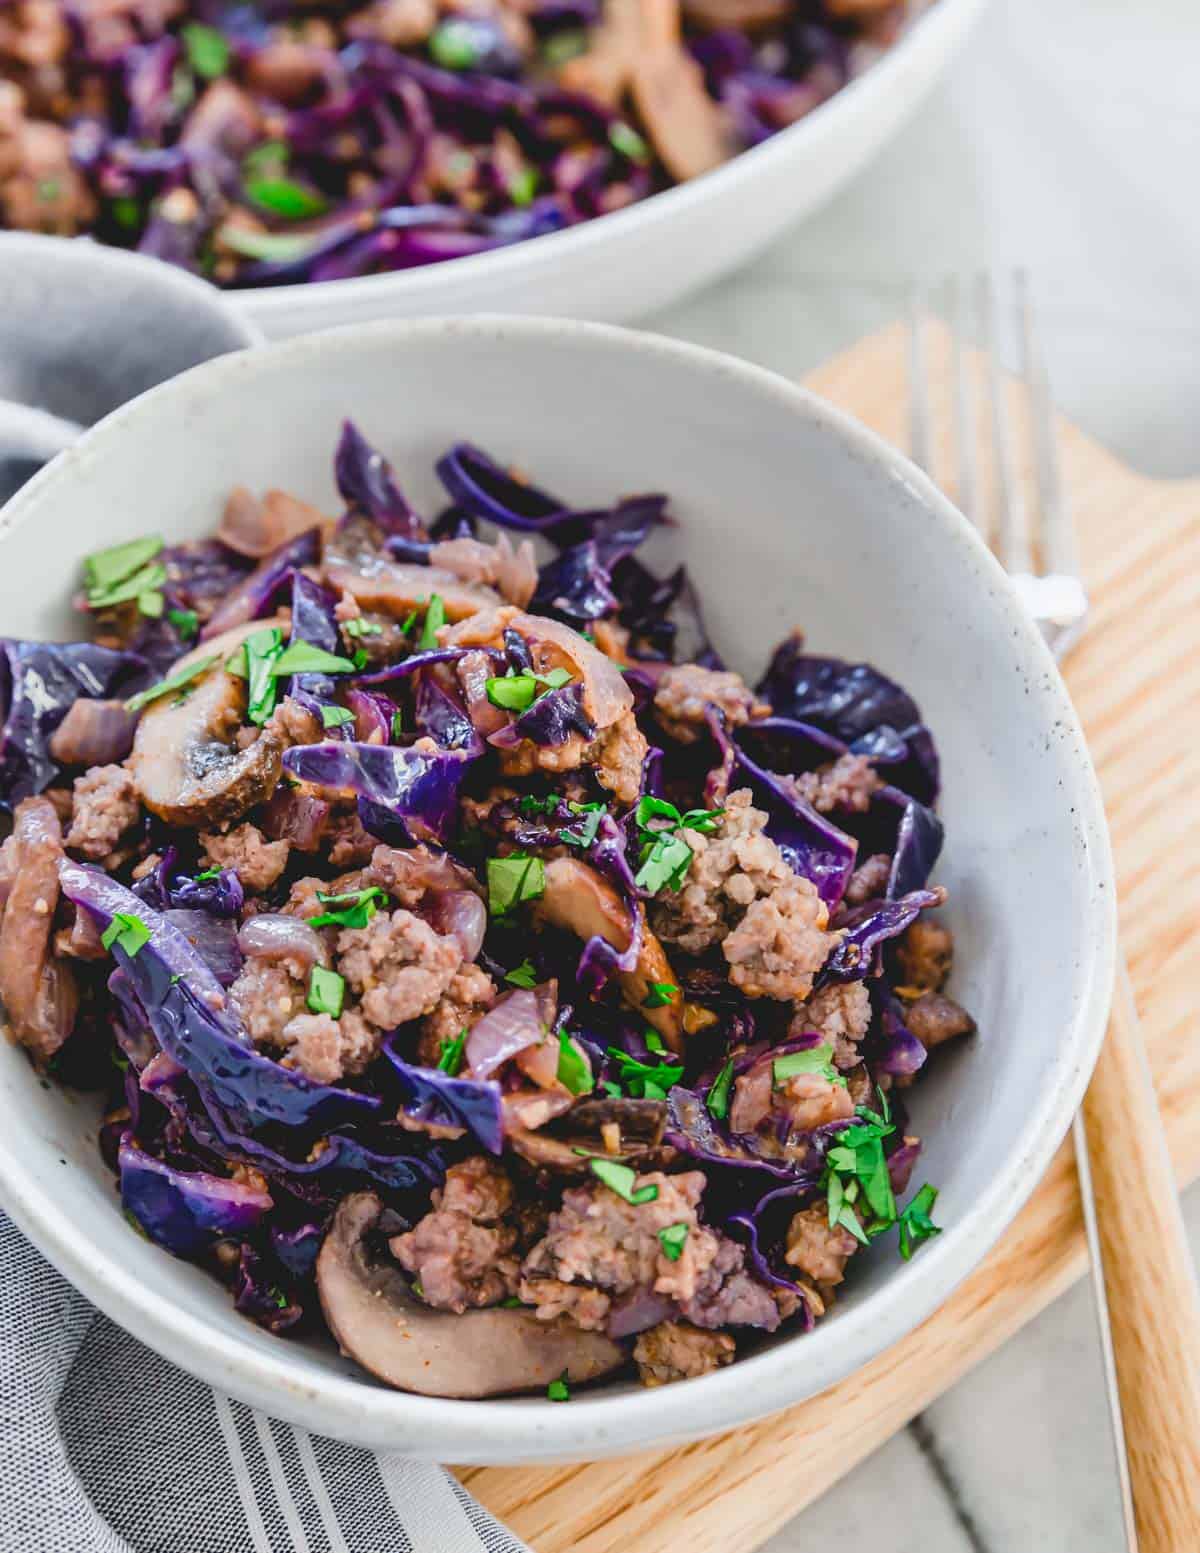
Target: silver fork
(1053, 593)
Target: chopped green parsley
(336, 716)
(513, 879)
(645, 1080)
(672, 1240)
(522, 975)
(435, 618)
(717, 1099)
(326, 992)
(127, 931)
(573, 1070)
(622, 1179)
(816, 1059)
(660, 995)
(353, 908)
(304, 658)
(164, 687)
(450, 1059)
(207, 50)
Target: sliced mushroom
(38, 991)
(482, 1353)
(579, 899)
(687, 127)
(186, 761)
(567, 1146)
(375, 581)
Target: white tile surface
(1066, 141)
(893, 1501)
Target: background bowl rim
(353, 1407)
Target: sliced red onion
(93, 733)
(296, 817)
(273, 936)
(519, 1019)
(638, 1311)
(213, 938)
(461, 915)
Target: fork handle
(1154, 1305)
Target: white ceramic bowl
(626, 264)
(790, 513)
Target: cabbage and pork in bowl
(474, 964)
(292, 142)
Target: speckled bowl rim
(532, 1429)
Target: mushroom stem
(579, 899)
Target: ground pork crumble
(739, 892)
(105, 806)
(686, 693)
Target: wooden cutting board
(1136, 682)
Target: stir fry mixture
(472, 960)
(261, 142)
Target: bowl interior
(788, 516)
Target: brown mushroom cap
(483, 1353)
(185, 761)
(582, 901)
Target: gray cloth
(106, 1448)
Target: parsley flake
(209, 873)
(645, 1080)
(915, 1222)
(573, 1070)
(672, 1240)
(622, 1179)
(513, 879)
(262, 652)
(558, 1390)
(287, 198)
(354, 908)
(435, 618)
(336, 716)
(326, 992)
(816, 1059)
(127, 931)
(207, 50)
(304, 658)
(164, 687)
(450, 1059)
(660, 995)
(522, 975)
(360, 627)
(185, 621)
(717, 1099)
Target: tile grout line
(927, 1444)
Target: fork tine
(1013, 537)
(1059, 550)
(964, 409)
(920, 436)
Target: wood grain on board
(1135, 679)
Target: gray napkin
(106, 1448)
